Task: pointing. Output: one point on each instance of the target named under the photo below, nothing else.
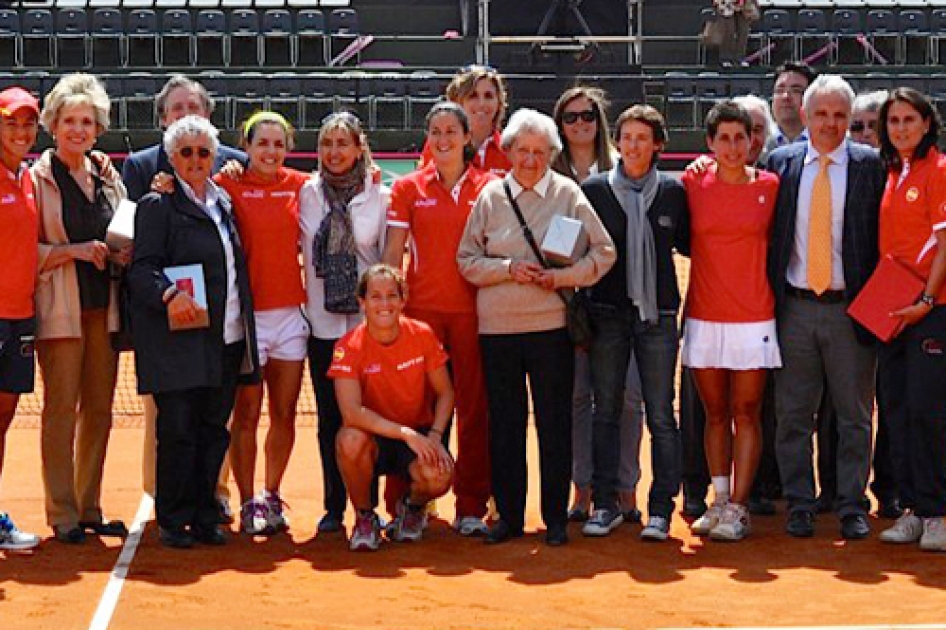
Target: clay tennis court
(299, 581)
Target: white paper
(121, 229)
(190, 280)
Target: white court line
(106, 608)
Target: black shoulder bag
(577, 316)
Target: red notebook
(892, 286)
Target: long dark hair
(921, 103)
(604, 149)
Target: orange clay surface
(299, 581)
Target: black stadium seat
(882, 32)
(343, 30)
(277, 48)
(310, 38)
(914, 37)
(37, 37)
(285, 96)
(210, 35)
(811, 27)
(72, 38)
(9, 38)
(318, 94)
(937, 35)
(177, 38)
(141, 38)
(779, 36)
(244, 38)
(108, 38)
(139, 91)
(848, 31)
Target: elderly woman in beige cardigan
(522, 319)
(76, 307)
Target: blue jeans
(618, 332)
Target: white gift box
(565, 242)
(121, 229)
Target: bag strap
(527, 233)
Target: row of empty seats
(146, 38)
(178, 4)
(848, 36)
(685, 99)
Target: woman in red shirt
(481, 92)
(730, 336)
(266, 203)
(431, 206)
(912, 367)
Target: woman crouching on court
(730, 340)
(191, 367)
(266, 205)
(431, 206)
(343, 212)
(521, 318)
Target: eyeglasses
(187, 152)
(475, 67)
(345, 116)
(570, 118)
(858, 126)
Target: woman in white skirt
(730, 336)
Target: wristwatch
(929, 300)
(169, 294)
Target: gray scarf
(636, 196)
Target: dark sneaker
(603, 522)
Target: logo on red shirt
(913, 194)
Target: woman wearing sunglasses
(581, 117)
(481, 92)
(266, 204)
(190, 352)
(431, 206)
(342, 210)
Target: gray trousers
(818, 348)
(631, 426)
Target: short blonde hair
(77, 88)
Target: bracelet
(437, 431)
(929, 300)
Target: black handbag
(577, 312)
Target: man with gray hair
(763, 126)
(864, 118)
(824, 248)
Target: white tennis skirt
(731, 346)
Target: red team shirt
(489, 158)
(393, 378)
(730, 226)
(267, 214)
(421, 204)
(911, 212)
(19, 236)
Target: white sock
(721, 488)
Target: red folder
(892, 286)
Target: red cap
(14, 99)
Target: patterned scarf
(333, 248)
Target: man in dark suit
(824, 248)
(179, 97)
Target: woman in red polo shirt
(431, 206)
(729, 340)
(481, 92)
(913, 365)
(19, 234)
(266, 203)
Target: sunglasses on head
(202, 152)
(858, 126)
(570, 118)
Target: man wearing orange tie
(824, 248)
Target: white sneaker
(12, 539)
(470, 526)
(709, 520)
(907, 529)
(254, 517)
(658, 529)
(275, 516)
(934, 534)
(733, 523)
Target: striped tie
(819, 230)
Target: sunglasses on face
(858, 126)
(187, 152)
(570, 118)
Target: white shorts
(731, 346)
(281, 334)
